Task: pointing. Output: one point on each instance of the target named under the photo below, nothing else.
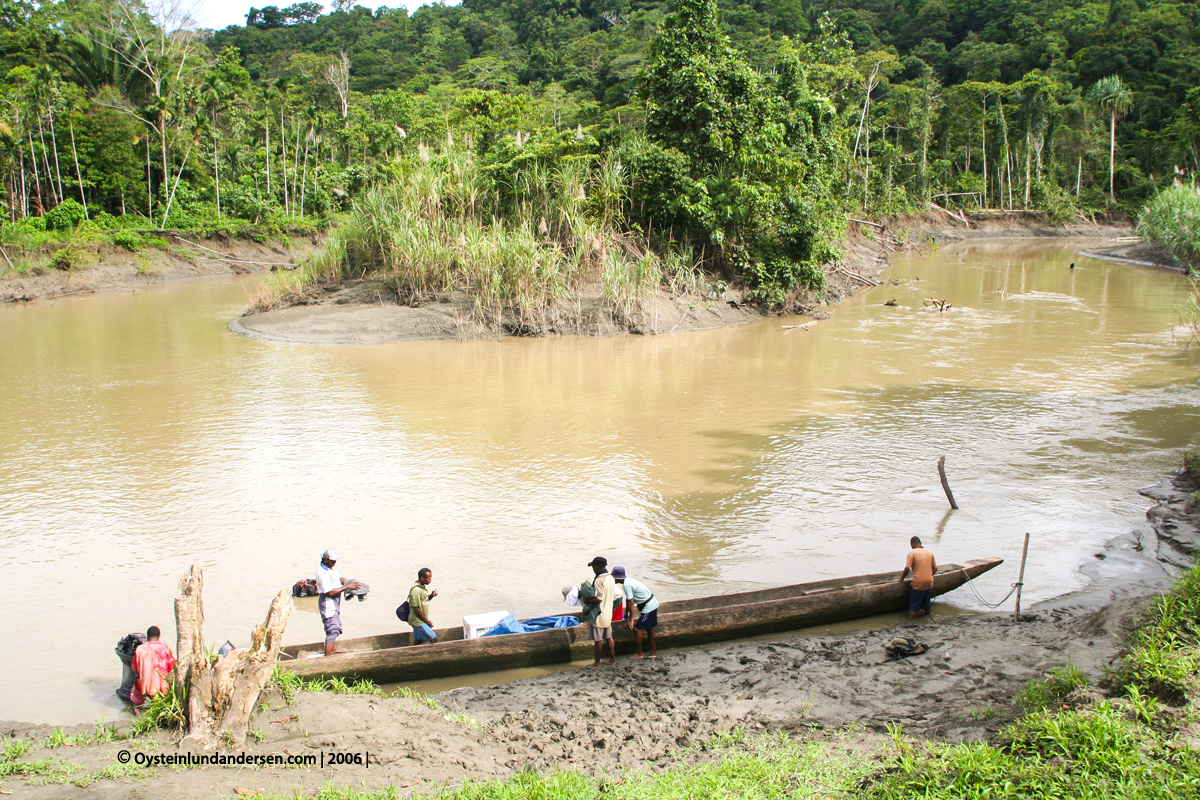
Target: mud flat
(643, 714)
(365, 312)
(1141, 253)
(111, 267)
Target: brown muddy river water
(138, 435)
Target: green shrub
(1191, 463)
(130, 240)
(164, 711)
(1039, 695)
(67, 258)
(1172, 219)
(65, 216)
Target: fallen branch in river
(945, 483)
(232, 260)
(856, 276)
(960, 217)
(939, 304)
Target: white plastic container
(477, 625)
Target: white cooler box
(477, 625)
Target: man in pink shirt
(151, 662)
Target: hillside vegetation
(733, 136)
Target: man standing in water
(598, 608)
(641, 609)
(923, 566)
(418, 607)
(151, 662)
(330, 586)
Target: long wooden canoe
(393, 658)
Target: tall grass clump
(1172, 220)
(1165, 657)
(1041, 694)
(518, 229)
(161, 712)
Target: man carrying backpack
(418, 607)
(597, 596)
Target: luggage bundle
(305, 588)
(903, 646)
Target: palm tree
(215, 95)
(9, 144)
(281, 87)
(97, 59)
(1112, 95)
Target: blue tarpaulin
(511, 624)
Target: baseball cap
(567, 590)
(329, 554)
(598, 561)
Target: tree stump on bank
(218, 694)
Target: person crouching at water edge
(330, 586)
(597, 597)
(418, 607)
(923, 566)
(638, 597)
(151, 663)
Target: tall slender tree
(1112, 96)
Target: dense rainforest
(632, 136)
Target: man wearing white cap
(330, 585)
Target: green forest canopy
(748, 134)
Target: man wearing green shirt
(418, 607)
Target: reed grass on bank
(1172, 220)
(517, 242)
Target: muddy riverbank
(364, 312)
(642, 715)
(110, 267)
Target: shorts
(647, 621)
(600, 634)
(920, 599)
(333, 628)
(424, 633)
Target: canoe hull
(392, 659)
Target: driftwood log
(219, 693)
(946, 483)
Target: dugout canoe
(392, 658)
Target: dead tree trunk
(221, 694)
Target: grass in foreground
(289, 683)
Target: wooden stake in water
(945, 483)
(1021, 576)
